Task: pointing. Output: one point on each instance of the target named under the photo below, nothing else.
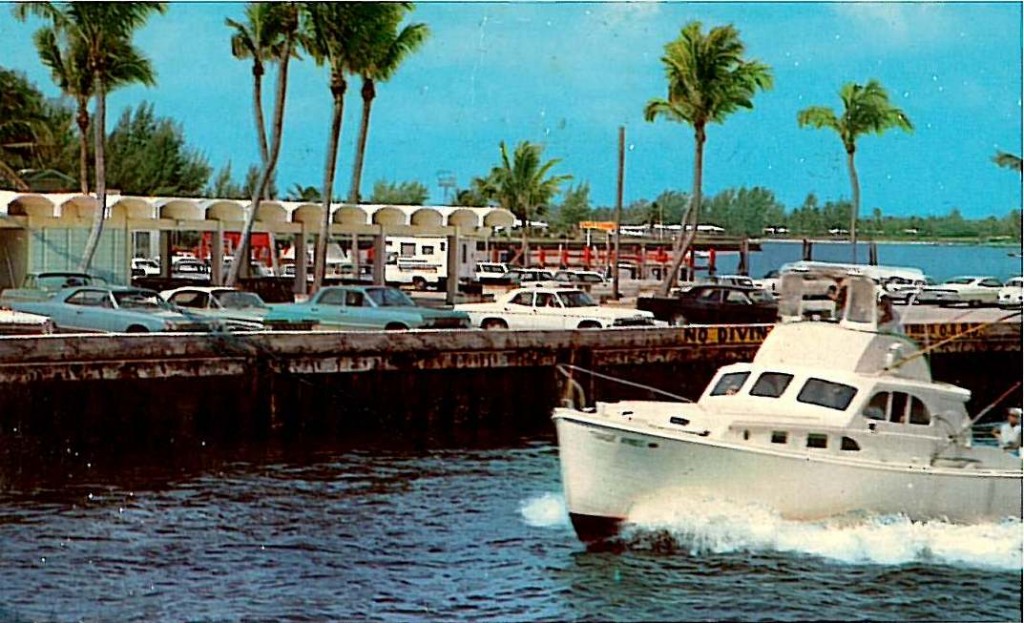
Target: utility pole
(618, 212)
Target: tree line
(89, 50)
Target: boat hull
(608, 470)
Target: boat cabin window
(899, 408)
(826, 394)
(779, 436)
(817, 440)
(730, 383)
(771, 384)
(848, 444)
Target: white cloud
(897, 25)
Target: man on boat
(1009, 432)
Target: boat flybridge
(829, 418)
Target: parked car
(551, 308)
(518, 276)
(1011, 295)
(769, 283)
(902, 290)
(145, 267)
(111, 309)
(579, 278)
(713, 304)
(491, 272)
(235, 309)
(22, 323)
(190, 268)
(733, 280)
(970, 291)
(42, 286)
(370, 308)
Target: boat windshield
(730, 383)
(827, 394)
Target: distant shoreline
(936, 242)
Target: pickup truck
(353, 307)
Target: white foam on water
(544, 511)
(721, 527)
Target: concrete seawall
(68, 395)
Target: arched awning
(389, 216)
(350, 215)
(499, 217)
(31, 205)
(426, 217)
(132, 208)
(308, 213)
(79, 207)
(272, 212)
(224, 210)
(464, 218)
(180, 209)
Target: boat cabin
(842, 386)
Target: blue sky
(567, 75)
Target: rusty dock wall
(159, 390)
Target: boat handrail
(958, 434)
(574, 387)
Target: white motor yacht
(829, 418)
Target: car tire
(494, 324)
(395, 326)
(678, 319)
(136, 329)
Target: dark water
(414, 532)
(939, 261)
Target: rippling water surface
(480, 534)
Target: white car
(145, 266)
(551, 308)
(1011, 295)
(970, 291)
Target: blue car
(111, 309)
(369, 308)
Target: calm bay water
(939, 261)
(386, 532)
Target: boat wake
(720, 527)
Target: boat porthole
(746, 435)
(652, 445)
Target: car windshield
(960, 280)
(232, 299)
(389, 297)
(147, 300)
(760, 296)
(576, 298)
(57, 281)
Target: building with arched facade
(48, 231)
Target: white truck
(422, 261)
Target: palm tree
(68, 62)
(1007, 161)
(285, 18)
(708, 79)
(24, 126)
(866, 108)
(386, 51)
(262, 40)
(332, 35)
(521, 185)
(102, 33)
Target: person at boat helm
(1009, 432)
